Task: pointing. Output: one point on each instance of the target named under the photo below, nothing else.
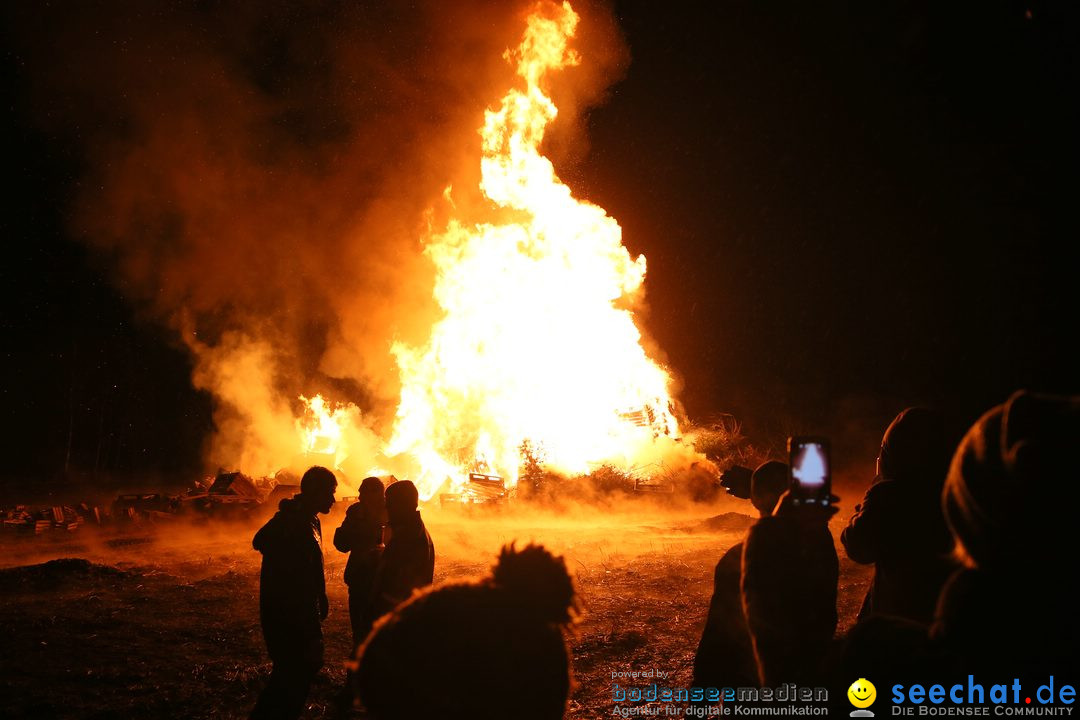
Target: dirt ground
(162, 621)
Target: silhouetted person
(485, 650)
(790, 573)
(885, 646)
(899, 526)
(408, 562)
(1011, 503)
(1010, 611)
(725, 655)
(360, 535)
(292, 594)
(767, 484)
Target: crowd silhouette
(969, 545)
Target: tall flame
(321, 427)
(536, 343)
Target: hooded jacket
(407, 564)
(911, 566)
(790, 573)
(1010, 500)
(360, 535)
(292, 584)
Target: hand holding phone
(736, 480)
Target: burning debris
(479, 489)
(322, 427)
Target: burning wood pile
(479, 489)
(536, 339)
(509, 364)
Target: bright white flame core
(536, 343)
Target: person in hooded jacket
(725, 656)
(790, 572)
(484, 650)
(910, 568)
(1011, 502)
(292, 594)
(360, 535)
(1009, 611)
(408, 563)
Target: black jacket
(725, 655)
(900, 528)
(292, 585)
(407, 564)
(360, 535)
(789, 583)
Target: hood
(1011, 494)
(289, 505)
(916, 449)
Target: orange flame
(321, 428)
(536, 343)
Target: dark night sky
(846, 208)
(873, 199)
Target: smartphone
(809, 469)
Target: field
(162, 621)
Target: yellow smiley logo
(862, 693)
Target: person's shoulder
(766, 534)
(731, 555)
(883, 489)
(730, 563)
(777, 531)
(765, 526)
(267, 535)
(289, 519)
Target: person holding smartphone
(725, 656)
(899, 526)
(790, 572)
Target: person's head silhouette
(767, 484)
(372, 494)
(317, 488)
(916, 448)
(504, 633)
(402, 499)
(1010, 497)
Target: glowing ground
(164, 623)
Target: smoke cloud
(260, 178)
